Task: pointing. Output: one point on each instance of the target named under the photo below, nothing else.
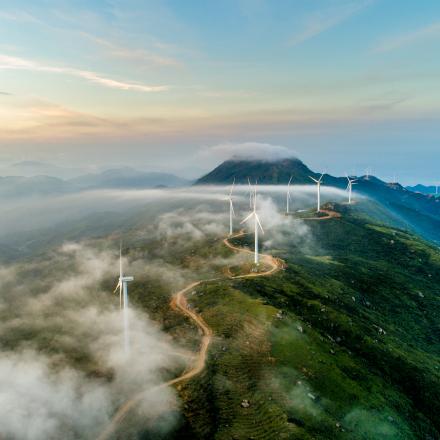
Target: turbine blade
(117, 287)
(120, 259)
(290, 180)
(248, 217)
(313, 179)
(232, 207)
(259, 223)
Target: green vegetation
(343, 344)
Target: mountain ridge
(420, 211)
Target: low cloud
(370, 424)
(280, 229)
(37, 403)
(63, 368)
(246, 150)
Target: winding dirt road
(275, 263)
(330, 214)
(180, 303)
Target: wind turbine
(288, 197)
(367, 173)
(123, 300)
(231, 207)
(349, 188)
(257, 224)
(318, 189)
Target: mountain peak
(265, 171)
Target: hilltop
(266, 172)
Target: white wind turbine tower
(318, 190)
(123, 301)
(257, 224)
(349, 188)
(288, 197)
(231, 207)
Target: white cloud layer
(43, 395)
(246, 150)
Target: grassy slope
(325, 369)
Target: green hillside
(343, 344)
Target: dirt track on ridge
(179, 303)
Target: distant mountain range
(18, 186)
(430, 190)
(31, 168)
(123, 178)
(419, 211)
(127, 178)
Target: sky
(343, 84)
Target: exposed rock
(245, 403)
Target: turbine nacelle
(351, 182)
(318, 181)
